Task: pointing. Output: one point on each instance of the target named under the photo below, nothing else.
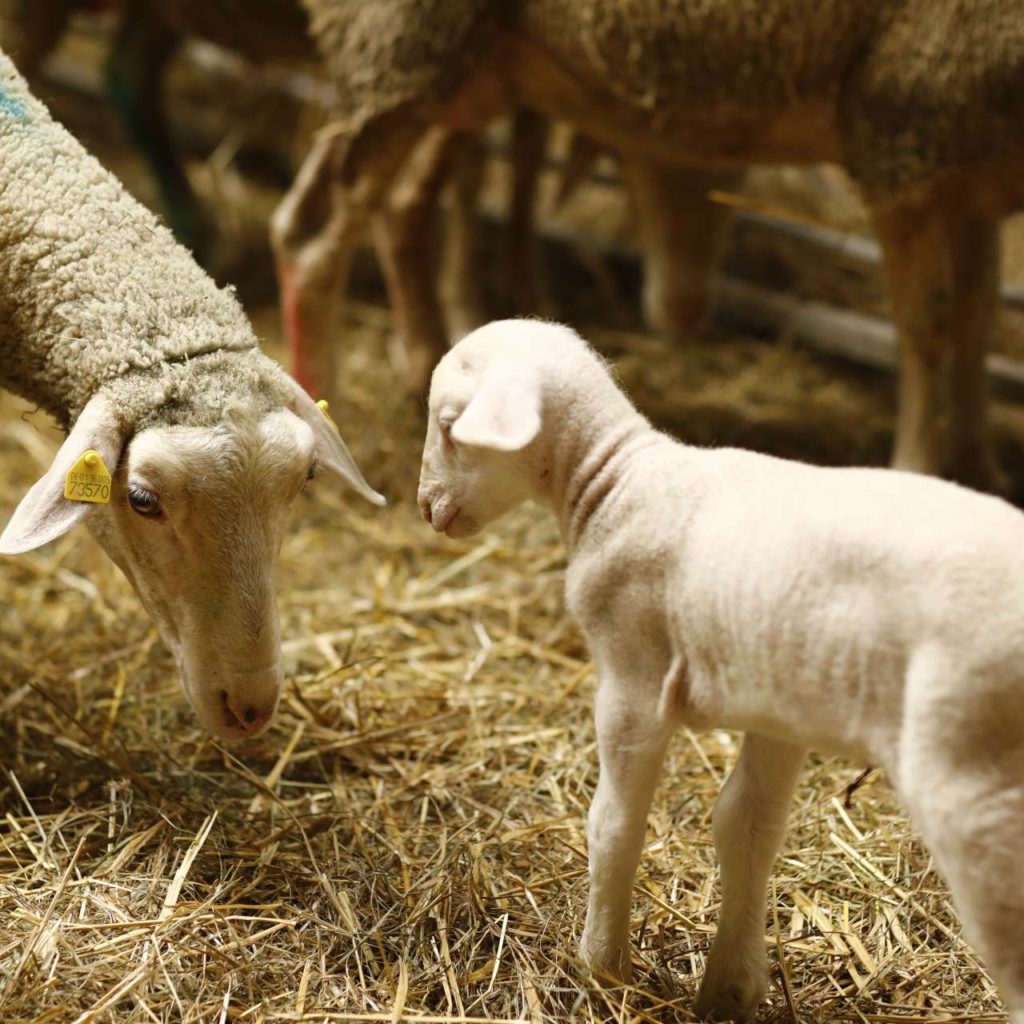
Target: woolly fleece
(901, 91)
(96, 295)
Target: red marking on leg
(291, 315)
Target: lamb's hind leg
(749, 824)
(961, 775)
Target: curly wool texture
(96, 295)
(902, 91)
(388, 53)
(717, 57)
(914, 88)
(941, 88)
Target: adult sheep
(922, 100)
(147, 36)
(109, 325)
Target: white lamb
(872, 613)
(108, 324)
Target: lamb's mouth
(441, 520)
(451, 521)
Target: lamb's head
(484, 451)
(195, 520)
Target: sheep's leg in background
(461, 280)
(460, 283)
(749, 824)
(974, 253)
(943, 272)
(408, 250)
(960, 769)
(305, 275)
(918, 271)
(141, 51)
(30, 29)
(316, 228)
(528, 150)
(683, 236)
(631, 741)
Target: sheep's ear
(504, 414)
(44, 513)
(331, 451)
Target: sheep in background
(109, 325)
(149, 33)
(922, 101)
(875, 614)
(147, 37)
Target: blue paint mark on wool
(13, 107)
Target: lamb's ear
(504, 414)
(331, 451)
(44, 513)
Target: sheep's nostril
(427, 513)
(250, 718)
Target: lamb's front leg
(631, 741)
(749, 824)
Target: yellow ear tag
(88, 479)
(324, 406)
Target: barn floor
(407, 840)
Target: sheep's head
(195, 520)
(484, 416)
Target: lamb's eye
(311, 472)
(143, 501)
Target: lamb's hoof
(608, 967)
(728, 1005)
(731, 995)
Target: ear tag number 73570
(88, 479)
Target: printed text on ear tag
(324, 406)
(88, 479)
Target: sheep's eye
(143, 501)
(311, 472)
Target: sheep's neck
(585, 459)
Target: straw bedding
(407, 841)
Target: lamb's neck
(587, 456)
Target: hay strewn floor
(407, 842)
